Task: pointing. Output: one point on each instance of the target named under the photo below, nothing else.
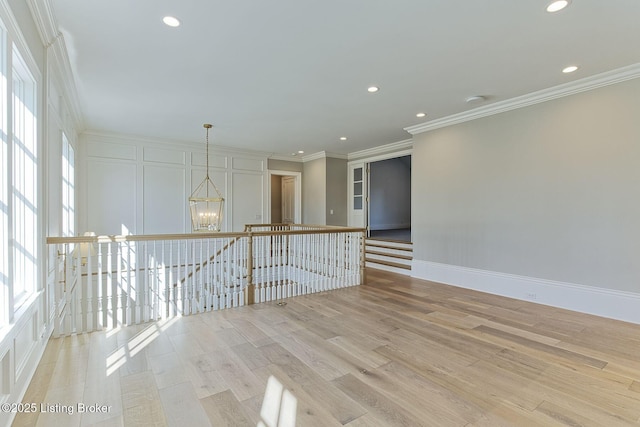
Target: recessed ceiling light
(171, 21)
(557, 5)
(300, 152)
(420, 114)
(569, 69)
(343, 138)
(373, 89)
(475, 98)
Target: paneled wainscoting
(396, 351)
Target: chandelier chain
(207, 139)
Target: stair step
(389, 263)
(388, 254)
(389, 251)
(385, 246)
(379, 239)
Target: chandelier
(206, 203)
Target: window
(68, 188)
(4, 182)
(24, 181)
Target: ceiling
(289, 75)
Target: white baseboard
(609, 303)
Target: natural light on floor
(119, 357)
(278, 407)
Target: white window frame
(24, 186)
(6, 292)
(68, 215)
(21, 180)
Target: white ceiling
(287, 75)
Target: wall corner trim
(588, 83)
(602, 302)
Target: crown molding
(323, 155)
(335, 155)
(406, 144)
(286, 158)
(97, 136)
(57, 56)
(588, 83)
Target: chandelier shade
(206, 204)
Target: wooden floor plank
(395, 351)
(317, 405)
(223, 409)
(377, 403)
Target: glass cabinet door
(357, 188)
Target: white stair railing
(105, 282)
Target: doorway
(379, 194)
(389, 199)
(285, 198)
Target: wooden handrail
(194, 236)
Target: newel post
(251, 288)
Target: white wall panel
(241, 163)
(24, 342)
(164, 200)
(5, 374)
(215, 160)
(160, 155)
(111, 197)
(108, 150)
(145, 185)
(247, 201)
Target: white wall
(138, 186)
(543, 199)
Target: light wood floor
(396, 351)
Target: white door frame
(298, 193)
(357, 219)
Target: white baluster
(169, 282)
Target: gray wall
(390, 194)
(336, 192)
(323, 190)
(284, 165)
(550, 191)
(314, 190)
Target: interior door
(357, 195)
(288, 199)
